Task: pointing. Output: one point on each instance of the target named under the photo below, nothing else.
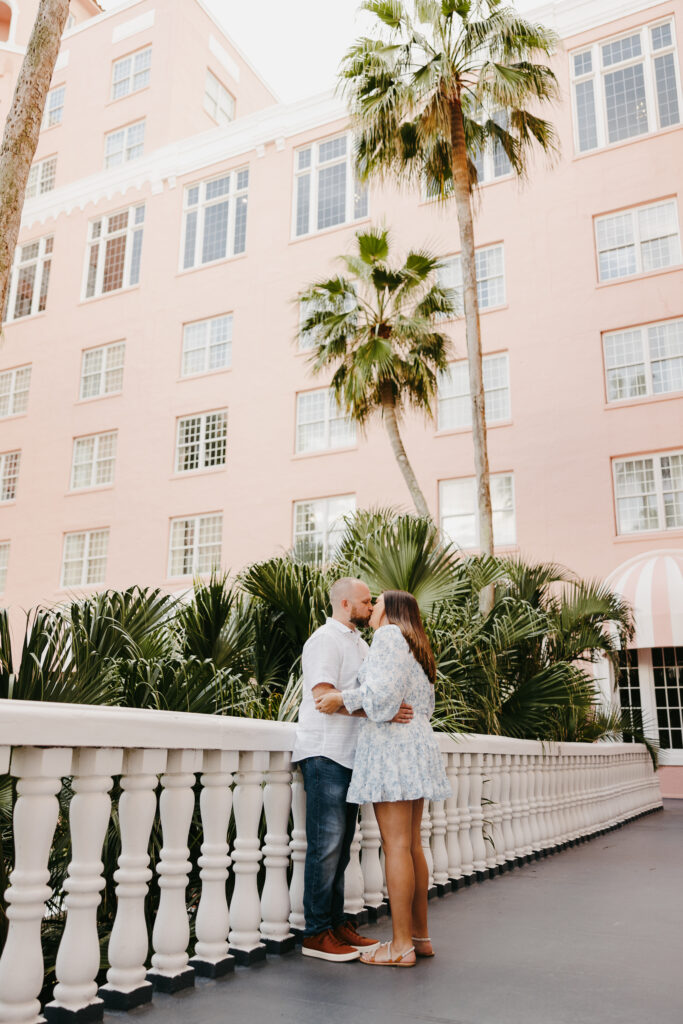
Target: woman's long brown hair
(402, 610)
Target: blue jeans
(330, 827)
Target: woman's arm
(383, 687)
(330, 702)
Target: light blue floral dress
(394, 761)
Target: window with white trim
(14, 388)
(30, 278)
(201, 441)
(644, 361)
(459, 513)
(195, 545)
(41, 177)
(124, 144)
(93, 460)
(54, 107)
(102, 370)
(9, 475)
(321, 423)
(327, 191)
(453, 395)
(625, 87)
(667, 671)
(131, 73)
(207, 346)
(215, 219)
(4, 562)
(639, 240)
(114, 251)
(319, 526)
(490, 271)
(84, 561)
(218, 102)
(648, 493)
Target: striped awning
(653, 584)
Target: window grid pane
(114, 252)
(215, 220)
(85, 558)
(207, 346)
(321, 424)
(102, 370)
(30, 278)
(628, 682)
(318, 526)
(458, 511)
(195, 545)
(4, 562)
(9, 475)
(129, 74)
(667, 667)
(454, 404)
(327, 191)
(14, 389)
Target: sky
(295, 45)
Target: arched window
(5, 22)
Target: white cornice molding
(196, 153)
(571, 17)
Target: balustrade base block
(113, 999)
(375, 913)
(444, 889)
(358, 919)
(432, 892)
(55, 1014)
(280, 946)
(173, 982)
(247, 957)
(210, 969)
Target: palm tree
(440, 82)
(378, 327)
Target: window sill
(482, 312)
(327, 451)
(641, 277)
(502, 549)
(629, 403)
(97, 398)
(88, 490)
(23, 319)
(203, 374)
(9, 502)
(51, 127)
(109, 295)
(214, 263)
(625, 538)
(611, 146)
(192, 474)
(13, 416)
(186, 581)
(119, 99)
(328, 231)
(449, 432)
(81, 588)
(435, 200)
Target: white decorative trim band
(221, 54)
(132, 27)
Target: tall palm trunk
(463, 204)
(22, 128)
(391, 421)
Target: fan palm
(378, 327)
(440, 81)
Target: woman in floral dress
(397, 767)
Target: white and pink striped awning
(653, 584)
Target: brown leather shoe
(345, 932)
(326, 946)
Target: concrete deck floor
(593, 935)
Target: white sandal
(417, 952)
(369, 958)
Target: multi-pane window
(326, 189)
(638, 240)
(319, 525)
(93, 461)
(667, 667)
(102, 370)
(649, 493)
(195, 546)
(628, 681)
(114, 251)
(54, 107)
(14, 387)
(85, 558)
(131, 73)
(27, 293)
(41, 177)
(490, 270)
(207, 345)
(4, 562)
(215, 219)
(644, 361)
(9, 475)
(201, 441)
(454, 402)
(124, 144)
(218, 102)
(459, 515)
(625, 87)
(321, 424)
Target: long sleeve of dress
(383, 677)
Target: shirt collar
(336, 624)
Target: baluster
(453, 823)
(245, 909)
(298, 850)
(277, 799)
(515, 802)
(354, 904)
(426, 834)
(78, 957)
(39, 772)
(544, 804)
(508, 834)
(524, 806)
(477, 818)
(498, 852)
(126, 985)
(373, 897)
(554, 772)
(533, 796)
(211, 958)
(439, 851)
(170, 969)
(488, 813)
(467, 853)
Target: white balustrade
(277, 799)
(426, 834)
(245, 909)
(373, 877)
(439, 851)
(477, 816)
(453, 821)
(297, 849)
(354, 884)
(467, 853)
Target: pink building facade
(156, 414)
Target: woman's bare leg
(395, 824)
(419, 927)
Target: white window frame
(10, 467)
(231, 196)
(88, 556)
(201, 442)
(13, 392)
(597, 75)
(474, 547)
(207, 345)
(329, 521)
(196, 520)
(133, 228)
(456, 261)
(634, 211)
(4, 564)
(227, 109)
(56, 93)
(646, 362)
(96, 461)
(326, 421)
(130, 78)
(487, 360)
(106, 350)
(313, 171)
(41, 177)
(126, 149)
(656, 457)
(43, 264)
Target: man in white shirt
(325, 748)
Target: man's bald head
(351, 601)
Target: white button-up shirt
(333, 654)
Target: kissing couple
(364, 736)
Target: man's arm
(402, 716)
(322, 688)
